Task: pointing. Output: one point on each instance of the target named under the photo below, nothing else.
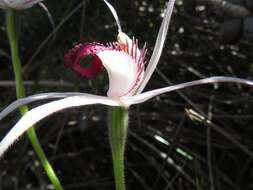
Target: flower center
(123, 61)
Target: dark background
(171, 143)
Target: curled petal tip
(114, 13)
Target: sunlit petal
(43, 96)
(114, 13)
(38, 113)
(150, 94)
(122, 71)
(158, 45)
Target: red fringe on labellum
(73, 58)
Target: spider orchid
(124, 63)
(18, 4)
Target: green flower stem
(118, 123)
(20, 93)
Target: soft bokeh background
(198, 138)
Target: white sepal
(150, 94)
(37, 97)
(40, 112)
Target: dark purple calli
(74, 57)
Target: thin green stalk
(118, 123)
(20, 93)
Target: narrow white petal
(38, 113)
(114, 13)
(43, 96)
(150, 94)
(122, 71)
(158, 46)
(49, 16)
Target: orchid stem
(20, 93)
(118, 123)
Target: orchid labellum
(124, 62)
(18, 4)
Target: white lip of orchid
(122, 71)
(18, 4)
(125, 67)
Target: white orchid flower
(18, 4)
(124, 63)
